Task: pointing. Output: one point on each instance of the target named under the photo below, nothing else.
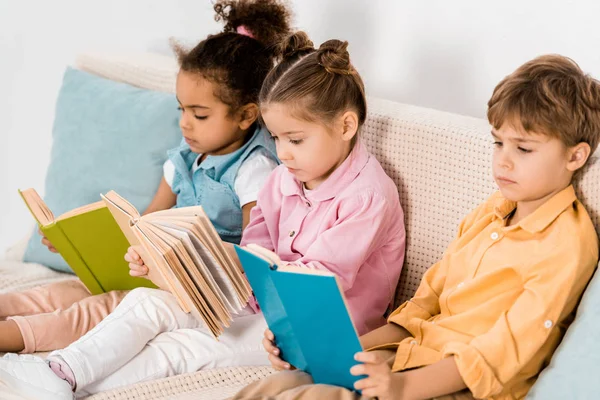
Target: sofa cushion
(572, 373)
(106, 136)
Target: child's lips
(504, 181)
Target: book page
(158, 270)
(200, 304)
(82, 210)
(194, 225)
(209, 235)
(203, 282)
(123, 204)
(38, 209)
(206, 261)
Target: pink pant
(53, 316)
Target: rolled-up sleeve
(551, 288)
(426, 301)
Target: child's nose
(504, 160)
(184, 123)
(283, 154)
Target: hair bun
(334, 57)
(264, 20)
(296, 45)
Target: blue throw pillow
(573, 371)
(107, 136)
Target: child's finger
(270, 347)
(365, 384)
(358, 369)
(368, 357)
(269, 335)
(278, 363)
(372, 392)
(49, 245)
(132, 256)
(142, 269)
(138, 270)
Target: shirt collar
(544, 215)
(335, 183)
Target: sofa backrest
(441, 162)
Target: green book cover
(94, 246)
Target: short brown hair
(549, 95)
(320, 84)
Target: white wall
(441, 54)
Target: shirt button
(548, 324)
(494, 235)
(460, 285)
(413, 342)
(292, 233)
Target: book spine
(61, 242)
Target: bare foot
(11, 339)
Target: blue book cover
(307, 313)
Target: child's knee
(141, 294)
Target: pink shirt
(351, 225)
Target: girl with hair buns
(223, 161)
(329, 205)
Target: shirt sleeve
(252, 175)
(551, 288)
(366, 218)
(426, 301)
(169, 172)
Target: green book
(90, 241)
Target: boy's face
(529, 167)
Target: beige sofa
(439, 161)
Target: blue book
(306, 311)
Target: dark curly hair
(238, 63)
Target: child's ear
(247, 114)
(577, 156)
(349, 125)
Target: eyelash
(294, 142)
(195, 116)
(521, 149)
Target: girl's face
(311, 151)
(205, 121)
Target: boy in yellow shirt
(487, 317)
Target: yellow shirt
(502, 296)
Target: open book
(181, 248)
(186, 256)
(307, 312)
(90, 241)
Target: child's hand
(136, 264)
(46, 242)
(380, 382)
(269, 345)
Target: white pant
(148, 336)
